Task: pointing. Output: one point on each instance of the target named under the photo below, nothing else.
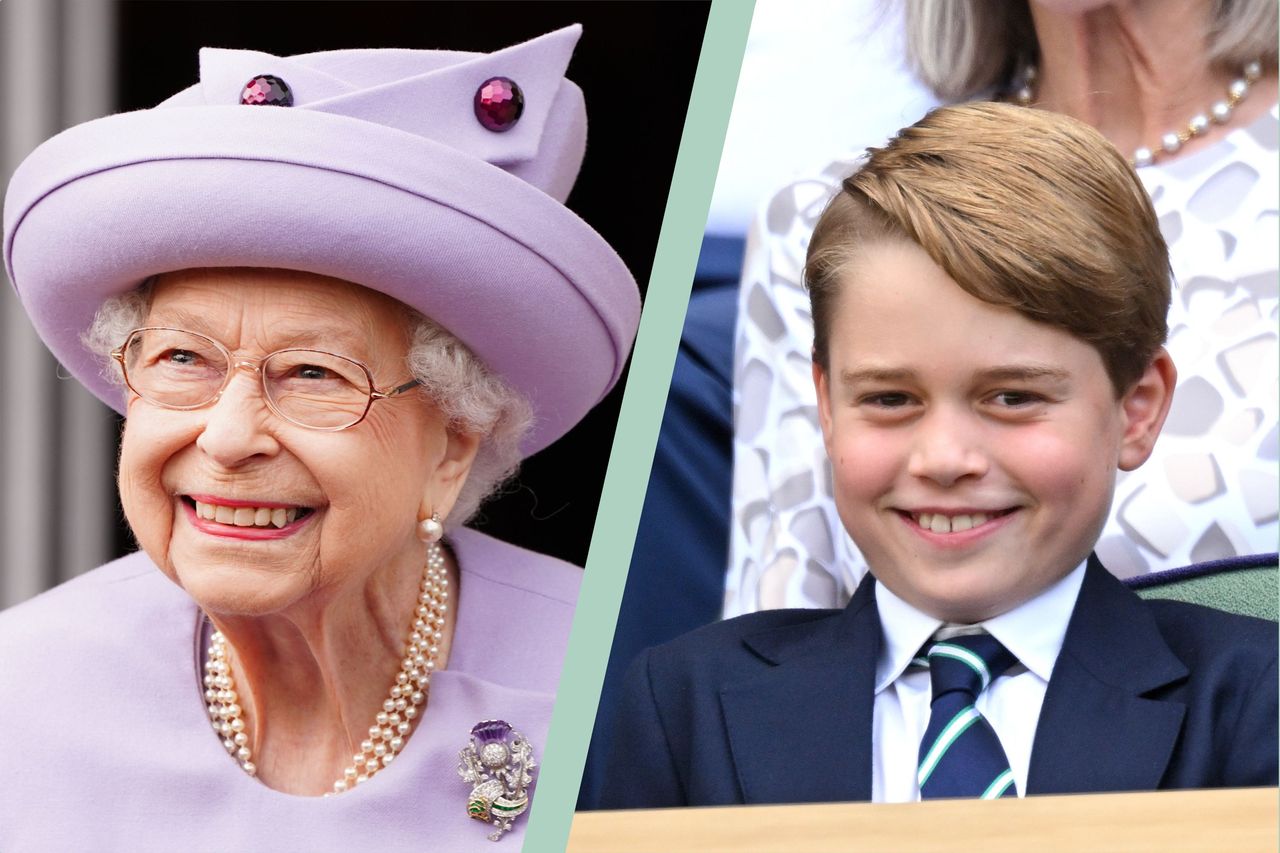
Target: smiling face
(974, 450)
(296, 512)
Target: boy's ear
(820, 384)
(1145, 407)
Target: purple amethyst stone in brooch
(491, 742)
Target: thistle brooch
(498, 763)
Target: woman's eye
(311, 371)
(180, 358)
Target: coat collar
(1101, 727)
(792, 743)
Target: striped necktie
(960, 755)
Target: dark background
(635, 65)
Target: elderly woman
(337, 297)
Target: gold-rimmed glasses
(177, 369)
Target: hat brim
(533, 290)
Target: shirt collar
(1033, 631)
(905, 630)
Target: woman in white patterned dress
(1200, 71)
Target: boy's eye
(1015, 399)
(886, 400)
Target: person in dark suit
(989, 293)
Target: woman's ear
(1144, 408)
(452, 467)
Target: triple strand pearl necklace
(405, 699)
(1171, 142)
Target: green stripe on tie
(961, 721)
(999, 786)
(964, 656)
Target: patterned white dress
(1210, 488)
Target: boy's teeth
(939, 523)
(247, 516)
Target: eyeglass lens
(185, 370)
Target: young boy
(989, 295)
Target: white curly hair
(472, 399)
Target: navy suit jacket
(775, 707)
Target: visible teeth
(939, 523)
(247, 516)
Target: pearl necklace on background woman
(405, 699)
(1171, 142)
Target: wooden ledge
(1237, 820)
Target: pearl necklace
(404, 702)
(1171, 142)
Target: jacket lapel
(1099, 730)
(801, 731)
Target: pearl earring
(430, 529)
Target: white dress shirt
(1033, 632)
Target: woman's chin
(237, 585)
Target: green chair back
(1246, 585)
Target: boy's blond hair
(1024, 209)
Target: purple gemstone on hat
(267, 90)
(499, 103)
(490, 731)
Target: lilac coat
(104, 729)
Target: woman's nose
(236, 428)
(948, 447)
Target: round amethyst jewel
(499, 103)
(267, 90)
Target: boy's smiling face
(974, 450)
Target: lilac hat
(411, 172)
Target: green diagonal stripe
(997, 788)
(960, 653)
(966, 717)
(642, 407)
